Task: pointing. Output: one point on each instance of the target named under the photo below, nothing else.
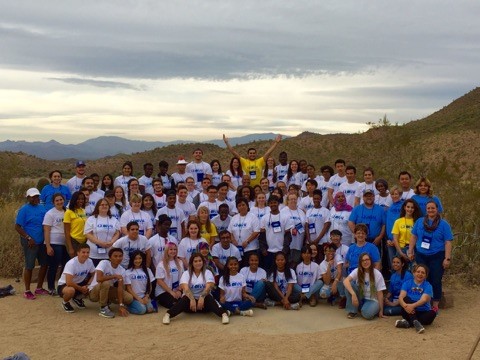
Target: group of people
(258, 235)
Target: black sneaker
(418, 327)
(79, 302)
(403, 324)
(67, 307)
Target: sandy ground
(43, 330)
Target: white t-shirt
(282, 281)
(298, 219)
(232, 209)
(275, 227)
(282, 171)
(251, 278)
(323, 186)
(300, 178)
(316, 219)
(241, 227)
(221, 224)
(54, 219)
(181, 178)
(339, 221)
(317, 178)
(123, 182)
(342, 251)
(157, 247)
(172, 280)
(212, 208)
(105, 266)
(128, 246)
(147, 182)
(259, 212)
(223, 254)
(350, 191)
(103, 228)
(335, 182)
(233, 290)
(138, 280)
(74, 184)
(236, 179)
(216, 178)
(307, 275)
(142, 218)
(160, 201)
(333, 270)
(405, 195)
(379, 283)
(197, 284)
(93, 198)
(187, 207)
(364, 186)
(177, 217)
(306, 203)
(199, 170)
(78, 270)
(187, 247)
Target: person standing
(75, 183)
(28, 225)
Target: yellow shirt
(254, 168)
(209, 235)
(76, 219)
(403, 228)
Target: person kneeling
(75, 279)
(108, 285)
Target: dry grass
(11, 256)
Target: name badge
(175, 285)
(250, 285)
(300, 228)
(240, 248)
(276, 226)
(141, 232)
(311, 228)
(253, 174)
(101, 250)
(200, 176)
(173, 231)
(305, 288)
(426, 241)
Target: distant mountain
(103, 146)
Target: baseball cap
(33, 192)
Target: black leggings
(425, 317)
(166, 300)
(209, 305)
(273, 294)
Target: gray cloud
(100, 83)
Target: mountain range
(103, 146)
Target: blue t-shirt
(396, 283)
(393, 213)
(46, 196)
(422, 201)
(415, 292)
(374, 218)
(429, 243)
(30, 218)
(354, 252)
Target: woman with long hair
(138, 282)
(168, 274)
(74, 223)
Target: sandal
(352, 315)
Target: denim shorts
(38, 252)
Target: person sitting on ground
(399, 276)
(308, 277)
(168, 274)
(138, 282)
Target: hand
(405, 257)
(355, 300)
(334, 288)
(446, 263)
(200, 303)
(264, 252)
(390, 243)
(31, 243)
(176, 294)
(380, 315)
(251, 298)
(193, 305)
(50, 251)
(411, 256)
(409, 309)
(225, 139)
(84, 290)
(145, 300)
(377, 241)
(244, 244)
(278, 138)
(286, 303)
(71, 252)
(122, 311)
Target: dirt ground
(43, 330)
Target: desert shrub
(11, 256)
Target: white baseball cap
(33, 192)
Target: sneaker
(67, 307)
(313, 301)
(106, 312)
(295, 306)
(52, 292)
(269, 303)
(247, 312)
(166, 319)
(79, 302)
(29, 295)
(41, 291)
(352, 315)
(418, 327)
(403, 324)
(225, 319)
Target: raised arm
(230, 148)
(272, 147)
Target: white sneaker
(269, 303)
(247, 312)
(166, 319)
(295, 306)
(225, 319)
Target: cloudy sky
(166, 70)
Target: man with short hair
(146, 180)
(181, 175)
(199, 168)
(131, 242)
(336, 180)
(350, 187)
(224, 249)
(75, 183)
(282, 167)
(405, 182)
(211, 204)
(251, 165)
(92, 196)
(177, 229)
(160, 240)
(222, 220)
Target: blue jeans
(59, 258)
(240, 305)
(392, 310)
(259, 292)
(326, 290)
(368, 308)
(435, 265)
(137, 308)
(313, 290)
